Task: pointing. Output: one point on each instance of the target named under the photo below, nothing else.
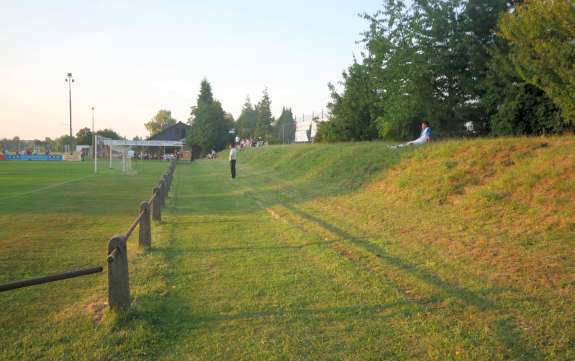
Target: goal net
(113, 157)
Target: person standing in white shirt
(233, 157)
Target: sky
(130, 59)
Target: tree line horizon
(210, 125)
(508, 68)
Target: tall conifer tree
(264, 117)
(246, 123)
(208, 121)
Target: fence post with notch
(156, 208)
(118, 277)
(145, 236)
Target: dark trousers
(233, 167)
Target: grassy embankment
(480, 233)
(456, 250)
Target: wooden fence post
(167, 182)
(118, 278)
(162, 193)
(145, 239)
(156, 208)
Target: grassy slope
(482, 230)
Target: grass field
(459, 250)
(56, 217)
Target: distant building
(307, 125)
(305, 131)
(178, 131)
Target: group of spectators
(240, 144)
(251, 142)
(155, 156)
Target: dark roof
(177, 131)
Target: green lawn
(340, 252)
(56, 217)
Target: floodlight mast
(93, 136)
(95, 154)
(69, 79)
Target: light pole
(93, 136)
(70, 80)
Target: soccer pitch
(57, 217)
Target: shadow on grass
(171, 319)
(185, 223)
(467, 296)
(241, 249)
(506, 327)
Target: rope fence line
(117, 253)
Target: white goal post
(119, 149)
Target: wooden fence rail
(118, 276)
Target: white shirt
(233, 154)
(424, 137)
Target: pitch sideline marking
(45, 188)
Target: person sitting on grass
(425, 136)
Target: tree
(10, 144)
(285, 127)
(354, 112)
(246, 124)
(208, 120)
(326, 132)
(434, 63)
(162, 120)
(264, 117)
(84, 136)
(513, 106)
(541, 39)
(108, 133)
(64, 140)
(206, 96)
(426, 61)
